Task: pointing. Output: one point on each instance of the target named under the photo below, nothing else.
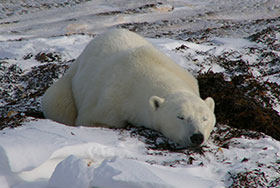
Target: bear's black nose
(197, 139)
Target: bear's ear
(210, 103)
(156, 102)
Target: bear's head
(184, 118)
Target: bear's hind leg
(58, 103)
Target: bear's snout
(197, 139)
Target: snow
(71, 172)
(84, 157)
(233, 42)
(98, 157)
(114, 172)
(42, 153)
(69, 47)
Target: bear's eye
(204, 119)
(181, 117)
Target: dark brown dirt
(241, 103)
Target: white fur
(119, 78)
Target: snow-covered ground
(90, 157)
(196, 34)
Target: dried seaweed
(241, 103)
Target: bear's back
(127, 53)
(114, 41)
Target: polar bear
(121, 78)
